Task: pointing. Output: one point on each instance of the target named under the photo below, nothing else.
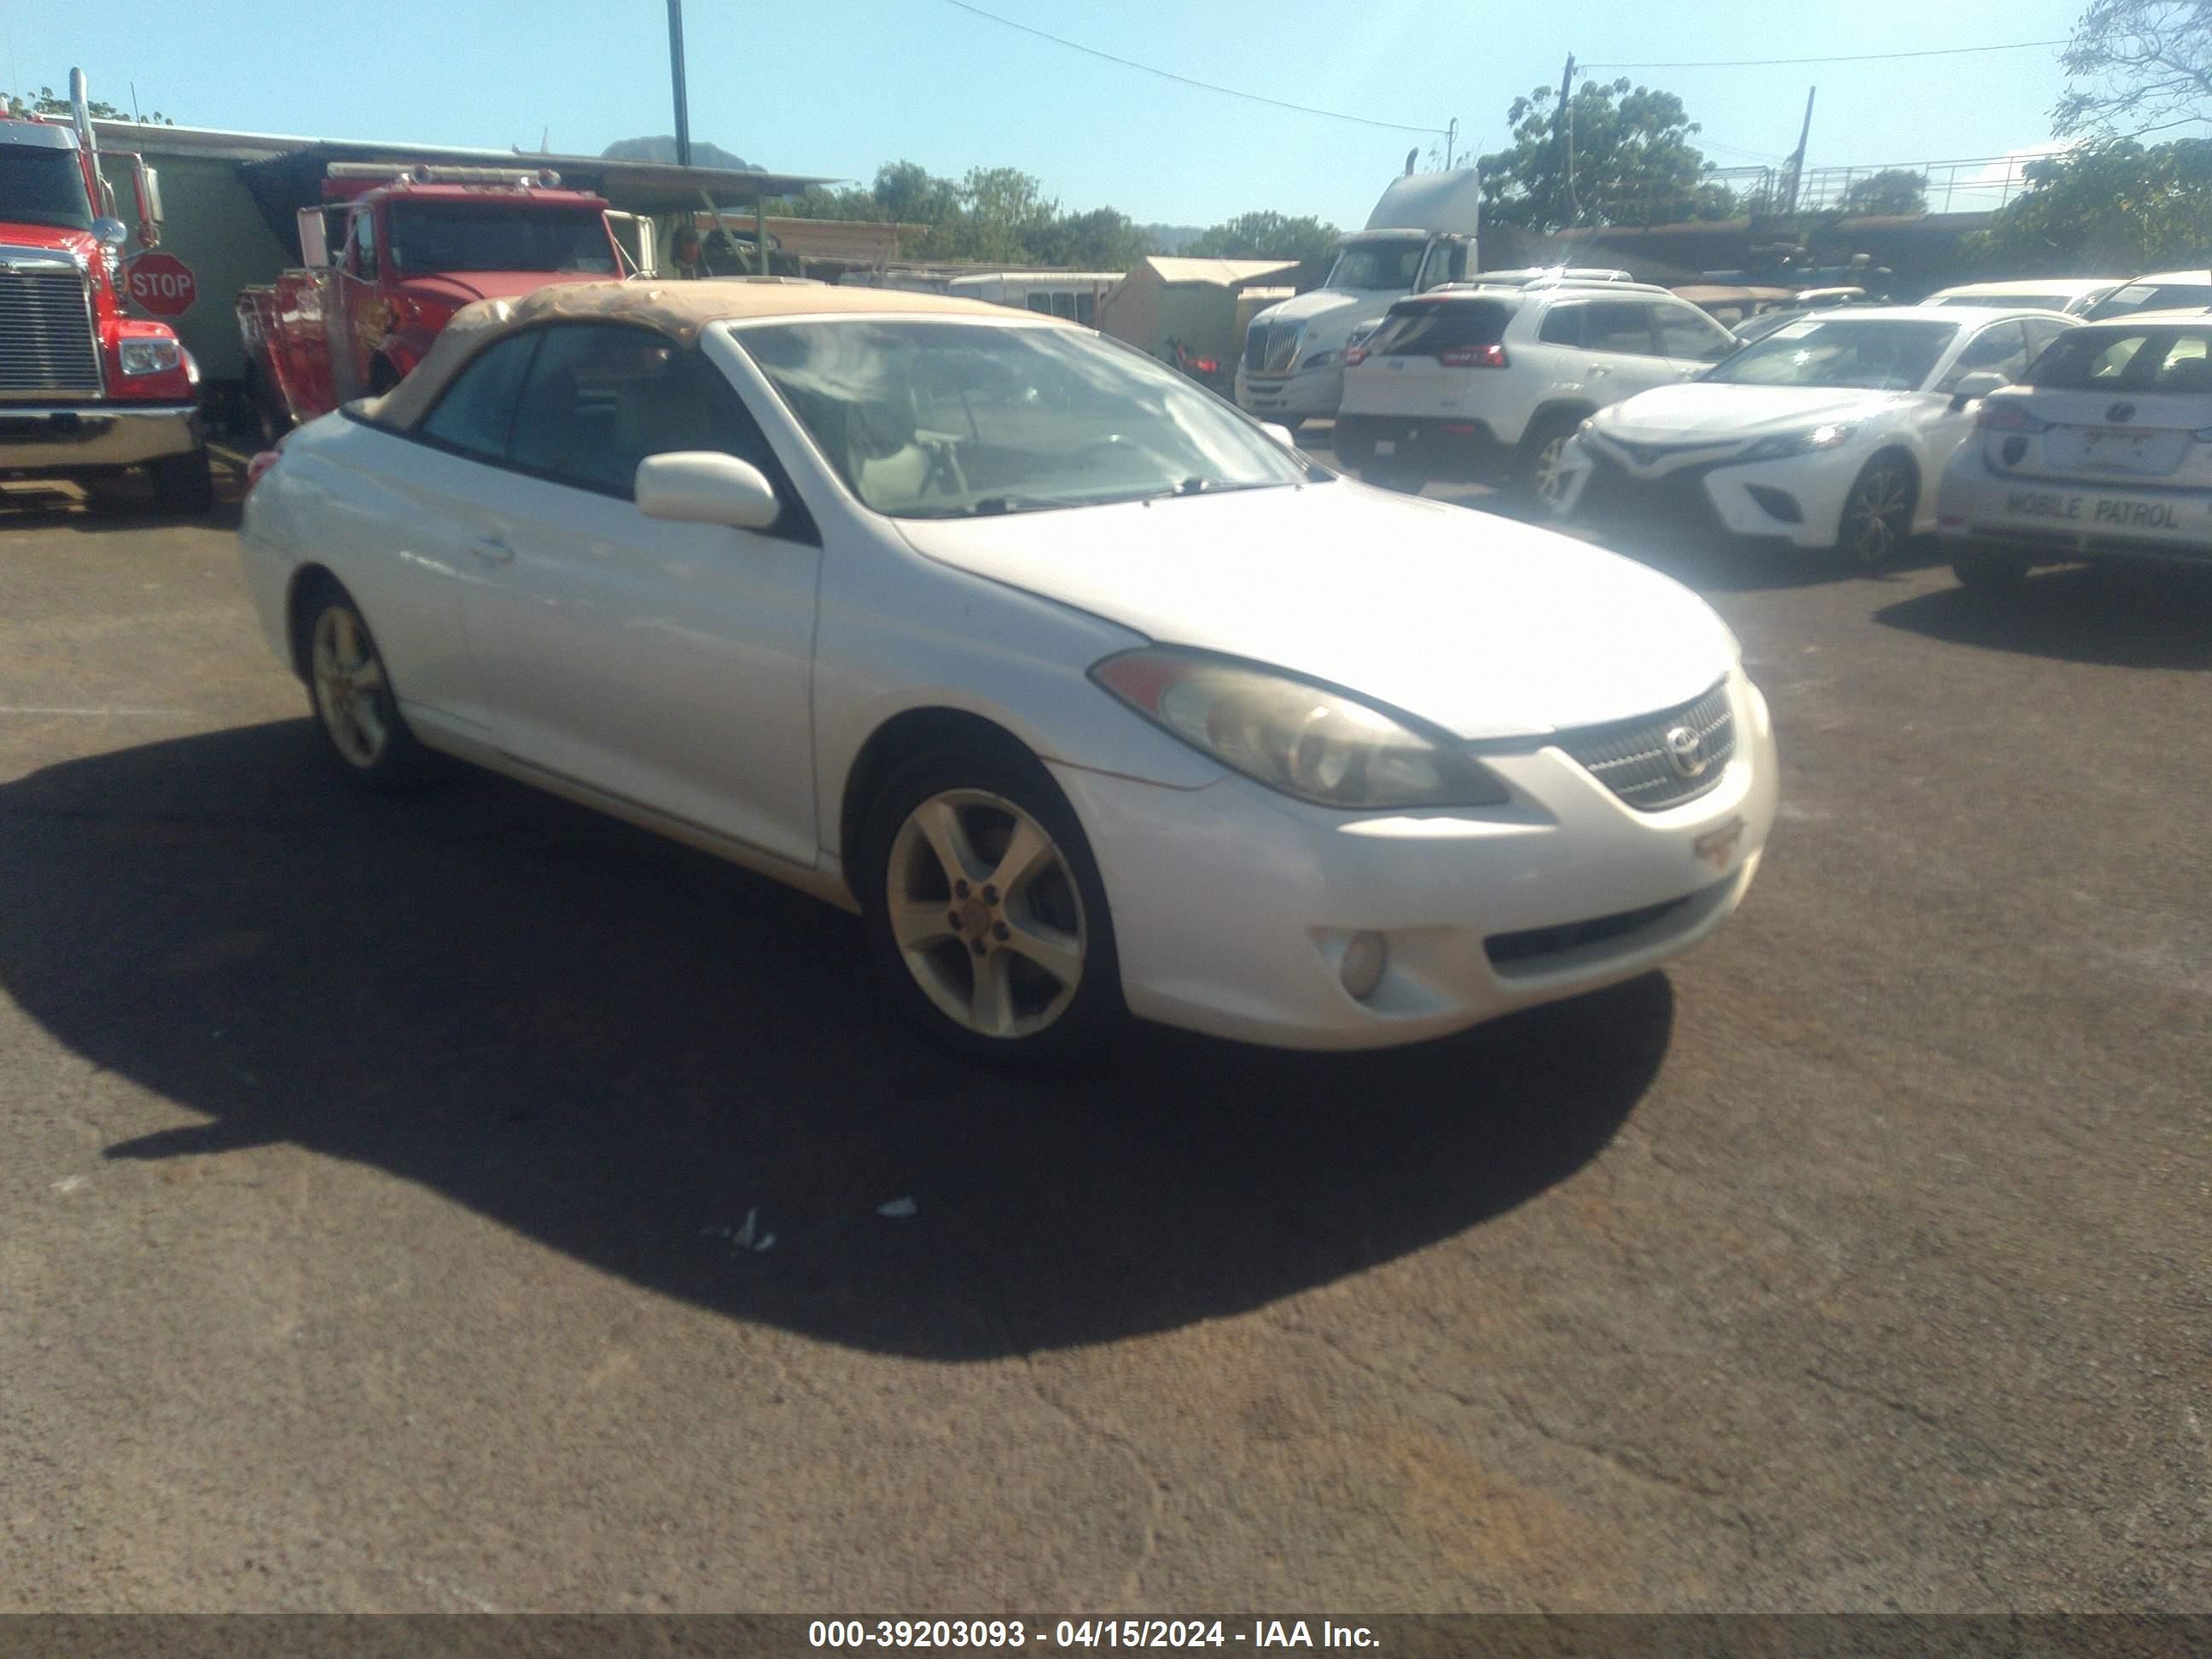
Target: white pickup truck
(1421, 233)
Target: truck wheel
(183, 483)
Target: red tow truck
(85, 389)
(413, 245)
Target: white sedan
(1829, 433)
(1088, 693)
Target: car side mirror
(1976, 387)
(704, 486)
(1282, 435)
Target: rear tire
(183, 483)
(1536, 474)
(1985, 570)
(1027, 974)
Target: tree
(1633, 161)
(2137, 66)
(2113, 207)
(1264, 235)
(49, 102)
(1100, 240)
(1892, 190)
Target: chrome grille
(1256, 345)
(1270, 346)
(46, 336)
(1634, 759)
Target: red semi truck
(412, 246)
(84, 390)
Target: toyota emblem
(1686, 751)
(2120, 414)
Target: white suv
(1479, 381)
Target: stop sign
(162, 284)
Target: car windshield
(1876, 354)
(433, 236)
(2007, 301)
(43, 187)
(2152, 296)
(1391, 265)
(936, 420)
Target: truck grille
(1636, 761)
(45, 339)
(1270, 346)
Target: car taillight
(2007, 415)
(1206, 365)
(1489, 357)
(1354, 355)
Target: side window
(478, 407)
(1086, 309)
(2001, 349)
(2039, 335)
(1446, 263)
(1563, 326)
(1685, 332)
(1041, 302)
(601, 399)
(1618, 326)
(364, 244)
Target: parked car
(1088, 692)
(1479, 382)
(2103, 450)
(1731, 306)
(1828, 433)
(2164, 290)
(2074, 295)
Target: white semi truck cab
(1422, 232)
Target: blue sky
(837, 87)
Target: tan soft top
(679, 310)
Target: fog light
(1364, 959)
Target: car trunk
(2112, 407)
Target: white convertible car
(1090, 693)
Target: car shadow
(2118, 616)
(656, 1062)
(117, 502)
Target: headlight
(1317, 744)
(1824, 436)
(1320, 360)
(149, 356)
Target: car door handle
(492, 550)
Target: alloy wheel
(1548, 478)
(1877, 516)
(351, 693)
(985, 910)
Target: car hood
(458, 288)
(1487, 628)
(1699, 409)
(51, 239)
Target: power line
(1170, 74)
(1844, 57)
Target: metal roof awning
(635, 186)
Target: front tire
(183, 483)
(1877, 516)
(350, 693)
(985, 911)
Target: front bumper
(74, 437)
(1304, 394)
(1798, 500)
(1233, 906)
(2055, 520)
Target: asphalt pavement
(470, 1203)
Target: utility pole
(1451, 133)
(675, 75)
(1797, 160)
(1566, 134)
